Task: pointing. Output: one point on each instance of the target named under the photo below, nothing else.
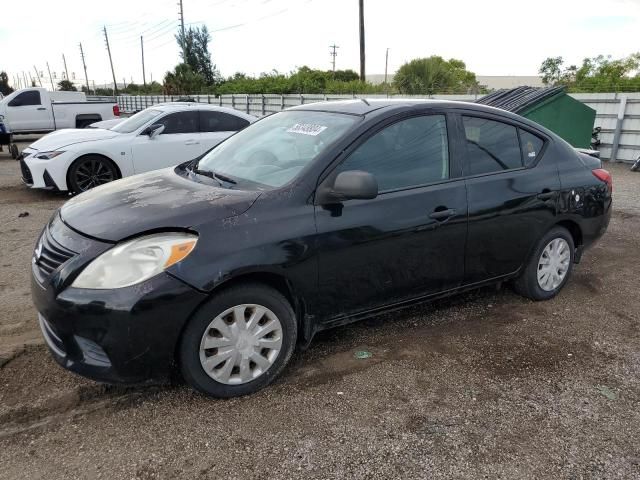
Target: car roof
(182, 106)
(364, 106)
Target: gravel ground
(485, 384)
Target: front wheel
(238, 342)
(549, 267)
(89, 172)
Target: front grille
(51, 254)
(26, 173)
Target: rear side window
(180, 122)
(32, 97)
(531, 147)
(405, 154)
(491, 146)
(221, 122)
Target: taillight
(116, 111)
(605, 176)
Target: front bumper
(126, 335)
(47, 174)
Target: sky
(493, 37)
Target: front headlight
(49, 155)
(136, 260)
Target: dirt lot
(481, 385)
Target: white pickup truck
(35, 110)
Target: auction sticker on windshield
(307, 129)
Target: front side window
(408, 153)
(136, 121)
(179, 122)
(32, 97)
(211, 121)
(491, 146)
(274, 150)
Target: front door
(179, 142)
(26, 113)
(407, 242)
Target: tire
(90, 171)
(529, 285)
(193, 356)
(13, 150)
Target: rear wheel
(238, 342)
(90, 171)
(549, 268)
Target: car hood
(156, 200)
(71, 136)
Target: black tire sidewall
(532, 269)
(189, 349)
(73, 184)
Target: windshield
(274, 150)
(134, 122)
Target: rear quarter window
(531, 147)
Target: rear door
(216, 126)
(26, 112)
(178, 143)
(512, 190)
(407, 242)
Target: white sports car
(160, 136)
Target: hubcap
(92, 173)
(553, 264)
(241, 344)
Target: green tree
(66, 86)
(551, 70)
(435, 75)
(5, 89)
(194, 51)
(183, 80)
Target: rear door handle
(41, 108)
(443, 214)
(546, 195)
(191, 142)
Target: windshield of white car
(134, 122)
(274, 150)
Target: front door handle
(443, 214)
(545, 195)
(191, 142)
(41, 108)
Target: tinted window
(408, 153)
(31, 97)
(180, 122)
(221, 122)
(531, 146)
(491, 146)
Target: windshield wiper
(214, 175)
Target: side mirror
(350, 185)
(154, 130)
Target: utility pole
(64, 60)
(37, 76)
(362, 70)
(144, 80)
(184, 53)
(84, 65)
(24, 76)
(333, 54)
(106, 39)
(386, 64)
(53, 89)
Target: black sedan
(308, 219)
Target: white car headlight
(136, 260)
(49, 155)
